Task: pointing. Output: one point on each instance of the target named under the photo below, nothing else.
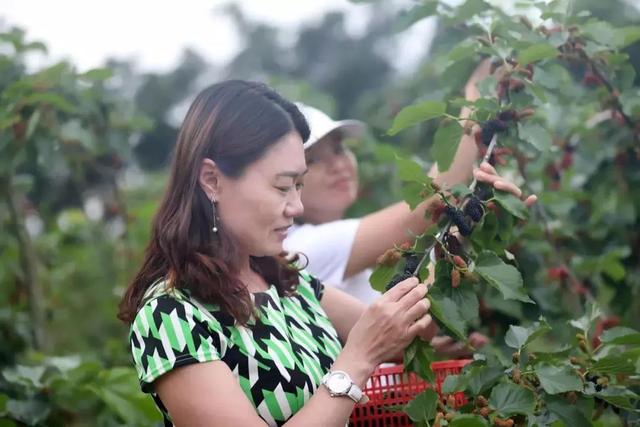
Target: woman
(342, 252)
(226, 332)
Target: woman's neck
(252, 280)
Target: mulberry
(486, 135)
(516, 375)
(474, 209)
(411, 263)
(453, 244)
(463, 222)
(397, 279)
(497, 125)
(389, 258)
(516, 85)
(459, 261)
(507, 115)
(455, 278)
(499, 422)
(436, 211)
(481, 401)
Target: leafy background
(83, 157)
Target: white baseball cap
(320, 124)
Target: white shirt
(328, 246)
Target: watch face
(339, 383)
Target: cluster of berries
(465, 218)
(412, 260)
(482, 408)
(599, 383)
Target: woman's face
(257, 208)
(331, 185)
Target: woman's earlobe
(208, 178)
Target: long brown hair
(233, 123)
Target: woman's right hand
(388, 325)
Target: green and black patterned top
(278, 360)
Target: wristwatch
(339, 383)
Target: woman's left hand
(487, 173)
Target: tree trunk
(29, 264)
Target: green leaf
(417, 13)
(466, 298)
(558, 379)
(98, 74)
(64, 363)
(409, 170)
(414, 193)
(119, 390)
(621, 336)
(536, 90)
(452, 384)
(418, 357)
(518, 337)
(504, 277)
(536, 135)
(469, 9)
(33, 124)
(487, 87)
(417, 113)
(511, 204)
(460, 191)
(3, 403)
(619, 396)
(8, 121)
(537, 52)
(509, 399)
(628, 35)
(481, 378)
(445, 144)
(477, 378)
(603, 33)
(30, 411)
(36, 46)
(29, 376)
(463, 50)
(381, 276)
(468, 420)
(53, 99)
(446, 312)
(585, 323)
(617, 364)
(571, 415)
(423, 407)
(630, 102)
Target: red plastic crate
(389, 388)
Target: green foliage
(445, 144)
(69, 229)
(423, 407)
(418, 113)
(562, 93)
(80, 392)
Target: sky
(154, 32)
